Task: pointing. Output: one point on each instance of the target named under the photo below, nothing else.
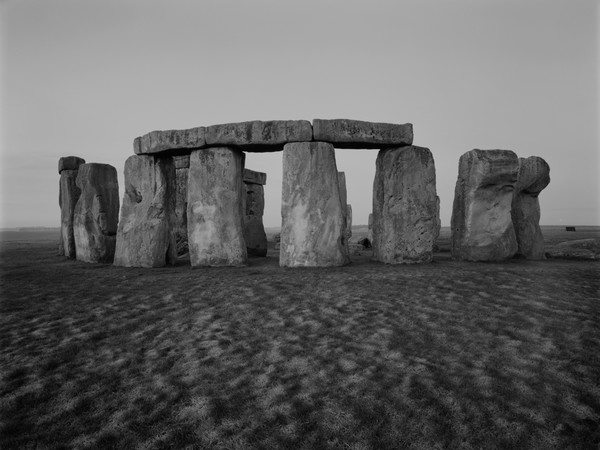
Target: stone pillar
(68, 194)
(344, 201)
(96, 213)
(404, 206)
(370, 228)
(254, 207)
(348, 224)
(482, 228)
(534, 176)
(214, 207)
(313, 227)
(182, 165)
(145, 235)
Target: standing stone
(370, 228)
(313, 227)
(348, 222)
(182, 165)
(145, 236)
(344, 201)
(482, 228)
(404, 206)
(214, 210)
(68, 195)
(254, 207)
(534, 176)
(96, 213)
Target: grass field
(368, 356)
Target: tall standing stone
(344, 201)
(145, 235)
(254, 207)
(68, 194)
(96, 213)
(182, 166)
(482, 228)
(534, 176)
(215, 208)
(313, 227)
(404, 206)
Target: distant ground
(368, 356)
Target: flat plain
(368, 356)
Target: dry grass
(369, 356)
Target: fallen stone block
(96, 213)
(481, 224)
(345, 133)
(405, 216)
(145, 235)
(214, 208)
(259, 136)
(313, 226)
(170, 141)
(578, 249)
(533, 177)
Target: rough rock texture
(259, 136)
(251, 176)
(313, 226)
(254, 230)
(68, 194)
(145, 236)
(348, 222)
(214, 210)
(96, 213)
(344, 202)
(69, 163)
(345, 133)
(579, 249)
(370, 228)
(481, 224)
(405, 213)
(534, 176)
(181, 161)
(180, 226)
(170, 141)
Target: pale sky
(85, 77)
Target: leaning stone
(404, 206)
(145, 236)
(67, 199)
(259, 136)
(253, 177)
(578, 249)
(534, 176)
(214, 210)
(254, 230)
(96, 213)
(482, 228)
(313, 226)
(69, 163)
(345, 133)
(171, 141)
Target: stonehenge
(405, 214)
(189, 191)
(96, 213)
(68, 194)
(481, 223)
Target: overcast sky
(85, 78)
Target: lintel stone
(69, 163)
(346, 133)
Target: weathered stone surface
(96, 213)
(251, 176)
(145, 235)
(259, 136)
(254, 230)
(67, 199)
(481, 224)
(313, 226)
(69, 163)
(578, 249)
(214, 211)
(344, 201)
(348, 222)
(170, 141)
(404, 206)
(181, 182)
(181, 161)
(370, 228)
(345, 133)
(533, 177)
